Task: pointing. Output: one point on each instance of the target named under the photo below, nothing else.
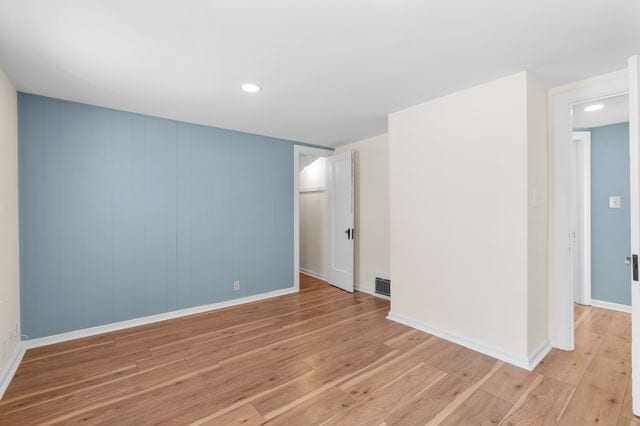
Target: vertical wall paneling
(124, 215)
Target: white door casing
(634, 190)
(297, 151)
(339, 220)
(561, 321)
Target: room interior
(316, 213)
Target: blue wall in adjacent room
(610, 228)
(124, 215)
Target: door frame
(633, 68)
(583, 232)
(561, 321)
(297, 150)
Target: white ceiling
(616, 110)
(331, 70)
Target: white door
(634, 189)
(340, 229)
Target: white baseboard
(77, 334)
(10, 367)
(538, 355)
(610, 305)
(521, 361)
(370, 290)
(313, 274)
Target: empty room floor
(319, 356)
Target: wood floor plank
(245, 415)
(316, 410)
(568, 367)
(232, 387)
(76, 401)
(365, 384)
(626, 421)
(627, 408)
(543, 403)
(143, 407)
(438, 401)
(616, 343)
(408, 340)
(481, 408)
(510, 382)
(376, 407)
(599, 397)
(598, 321)
(456, 359)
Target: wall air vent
(383, 286)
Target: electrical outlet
(236, 285)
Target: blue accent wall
(610, 228)
(124, 215)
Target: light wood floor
(318, 356)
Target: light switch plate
(614, 202)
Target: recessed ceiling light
(595, 107)
(251, 88)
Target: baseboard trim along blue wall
(124, 216)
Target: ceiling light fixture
(251, 88)
(595, 107)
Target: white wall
(460, 195)
(9, 255)
(538, 227)
(312, 207)
(312, 176)
(371, 208)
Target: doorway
(565, 215)
(601, 236)
(324, 216)
(312, 200)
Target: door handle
(348, 232)
(634, 257)
(627, 260)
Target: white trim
(633, 73)
(370, 290)
(561, 324)
(610, 305)
(538, 355)
(517, 360)
(86, 332)
(313, 189)
(297, 150)
(584, 212)
(11, 367)
(311, 273)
